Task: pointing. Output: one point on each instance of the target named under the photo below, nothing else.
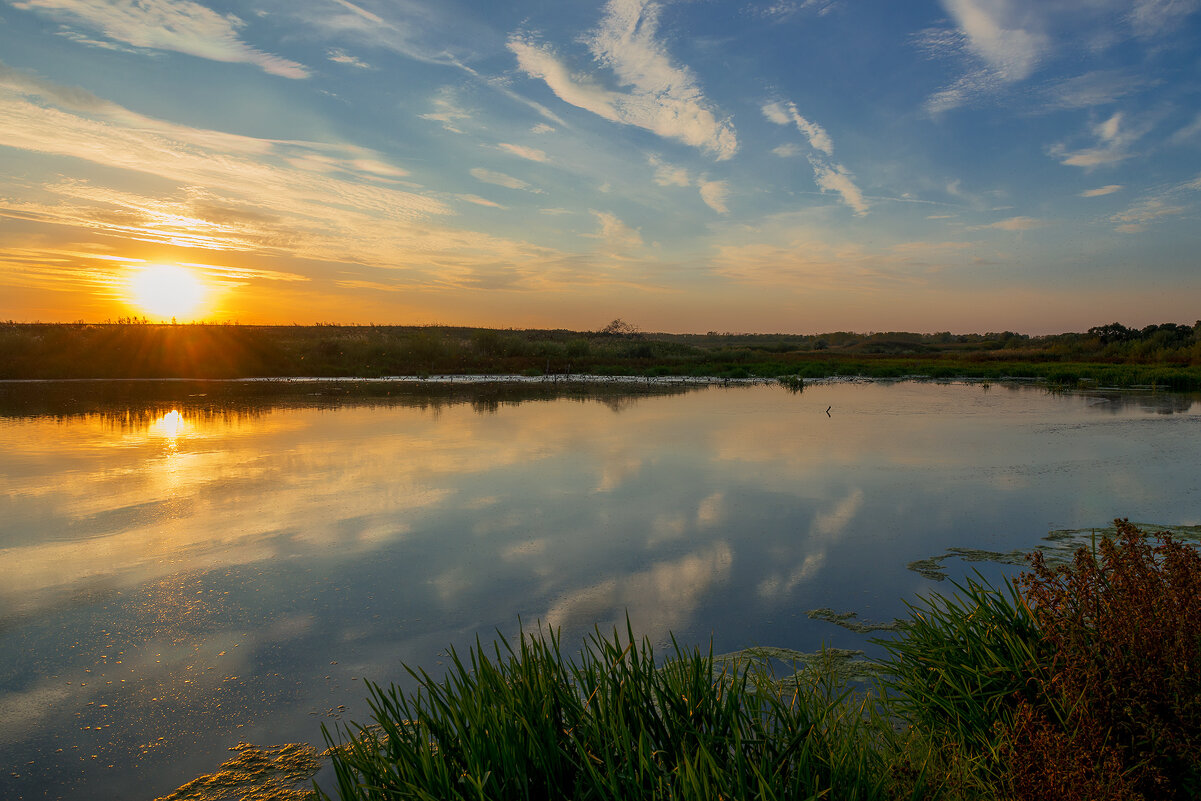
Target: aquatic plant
(274, 773)
(960, 667)
(792, 383)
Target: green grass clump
(959, 669)
(525, 722)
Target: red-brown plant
(1119, 714)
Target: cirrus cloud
(500, 179)
(1101, 191)
(176, 25)
(662, 97)
(829, 175)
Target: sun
(167, 290)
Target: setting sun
(167, 290)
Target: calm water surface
(189, 570)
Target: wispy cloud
(1101, 191)
(238, 194)
(1141, 214)
(116, 137)
(342, 57)
(782, 10)
(1013, 224)
(447, 110)
(998, 42)
(669, 174)
(835, 178)
(714, 193)
(614, 232)
(1096, 88)
(829, 175)
(420, 31)
(173, 25)
(1188, 132)
(481, 201)
(521, 151)
(1170, 202)
(663, 98)
(1114, 138)
(500, 179)
(786, 113)
(997, 34)
(1153, 17)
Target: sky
(792, 166)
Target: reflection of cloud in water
(617, 468)
(661, 598)
(22, 711)
(711, 510)
(667, 526)
(779, 584)
(826, 527)
(525, 549)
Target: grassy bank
(1079, 682)
(1169, 356)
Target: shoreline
(594, 379)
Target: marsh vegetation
(1081, 681)
(1166, 355)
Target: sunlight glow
(167, 290)
(170, 427)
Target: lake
(190, 565)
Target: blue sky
(801, 166)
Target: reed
(524, 722)
(959, 668)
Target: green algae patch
(271, 773)
(850, 620)
(1057, 548)
(839, 664)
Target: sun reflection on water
(171, 426)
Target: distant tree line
(133, 348)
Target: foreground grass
(1080, 682)
(40, 351)
(613, 724)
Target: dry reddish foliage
(1121, 711)
(1048, 762)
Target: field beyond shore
(1162, 356)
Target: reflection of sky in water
(175, 585)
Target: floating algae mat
(840, 664)
(850, 620)
(273, 773)
(1057, 548)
